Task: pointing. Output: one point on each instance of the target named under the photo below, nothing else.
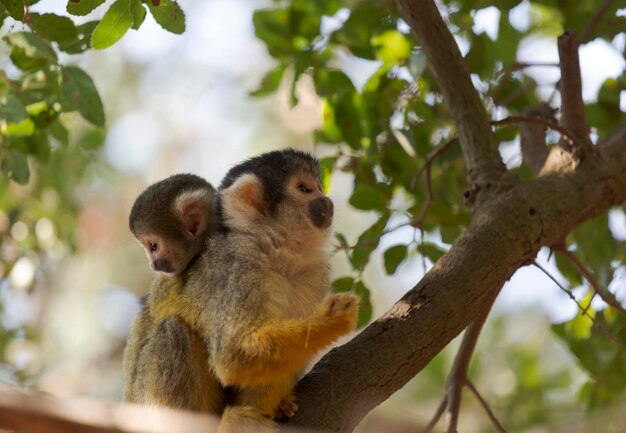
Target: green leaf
(393, 257)
(16, 166)
(15, 8)
(367, 242)
(343, 284)
(365, 306)
(508, 40)
(3, 16)
(59, 132)
(482, 55)
(270, 82)
(596, 247)
(392, 47)
(23, 128)
(169, 15)
(92, 139)
(272, 27)
(82, 7)
(80, 42)
(79, 94)
(368, 198)
(53, 27)
(115, 23)
(568, 270)
(343, 242)
(430, 250)
(138, 11)
(29, 51)
(42, 146)
(12, 109)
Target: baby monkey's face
(166, 254)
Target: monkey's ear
(195, 211)
(243, 201)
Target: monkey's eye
(153, 246)
(302, 188)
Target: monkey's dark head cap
(158, 199)
(274, 168)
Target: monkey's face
(301, 213)
(305, 204)
(165, 254)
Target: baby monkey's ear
(195, 211)
(243, 201)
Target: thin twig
(440, 410)
(593, 22)
(522, 65)
(566, 134)
(430, 158)
(458, 374)
(485, 406)
(429, 199)
(582, 309)
(586, 273)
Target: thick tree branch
(572, 105)
(445, 60)
(506, 232)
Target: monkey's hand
(286, 408)
(281, 347)
(339, 311)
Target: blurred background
(72, 273)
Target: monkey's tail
(246, 419)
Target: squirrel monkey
(255, 296)
(165, 360)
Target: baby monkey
(254, 295)
(171, 220)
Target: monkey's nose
(157, 265)
(321, 212)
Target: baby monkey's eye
(302, 188)
(153, 246)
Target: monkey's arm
(281, 347)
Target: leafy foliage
(33, 104)
(41, 161)
(383, 126)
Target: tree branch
(458, 374)
(533, 137)
(566, 134)
(604, 294)
(41, 414)
(496, 423)
(506, 232)
(444, 58)
(572, 106)
(593, 23)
